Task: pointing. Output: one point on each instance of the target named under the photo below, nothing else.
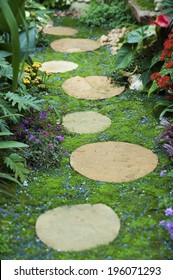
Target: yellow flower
(36, 65)
(28, 78)
(33, 74)
(27, 69)
(41, 86)
(26, 81)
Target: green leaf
(139, 34)
(17, 7)
(10, 178)
(11, 144)
(4, 126)
(153, 88)
(125, 55)
(13, 27)
(155, 59)
(24, 102)
(5, 133)
(28, 41)
(16, 164)
(4, 54)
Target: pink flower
(162, 21)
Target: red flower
(166, 54)
(155, 76)
(162, 21)
(163, 81)
(169, 64)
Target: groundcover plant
(139, 204)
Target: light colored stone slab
(58, 66)
(86, 122)
(60, 30)
(91, 87)
(113, 161)
(78, 227)
(68, 45)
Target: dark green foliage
(115, 14)
(145, 4)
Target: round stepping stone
(59, 30)
(91, 87)
(74, 45)
(58, 66)
(113, 161)
(78, 227)
(86, 122)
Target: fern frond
(5, 176)
(3, 126)
(23, 102)
(16, 164)
(7, 110)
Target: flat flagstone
(113, 161)
(86, 122)
(78, 227)
(68, 45)
(91, 87)
(60, 30)
(58, 66)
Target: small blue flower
(31, 137)
(43, 115)
(60, 138)
(169, 212)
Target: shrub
(43, 136)
(114, 14)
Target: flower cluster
(167, 136)
(168, 224)
(34, 77)
(162, 81)
(164, 78)
(168, 47)
(44, 138)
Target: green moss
(137, 203)
(145, 4)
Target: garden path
(84, 226)
(133, 206)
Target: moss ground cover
(139, 204)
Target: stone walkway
(84, 226)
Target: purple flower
(37, 140)
(43, 115)
(26, 122)
(163, 172)
(60, 138)
(169, 212)
(51, 147)
(21, 126)
(31, 137)
(162, 223)
(169, 226)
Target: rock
(78, 7)
(141, 15)
(113, 161)
(78, 227)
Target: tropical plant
(12, 15)
(167, 7)
(142, 43)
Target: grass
(139, 203)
